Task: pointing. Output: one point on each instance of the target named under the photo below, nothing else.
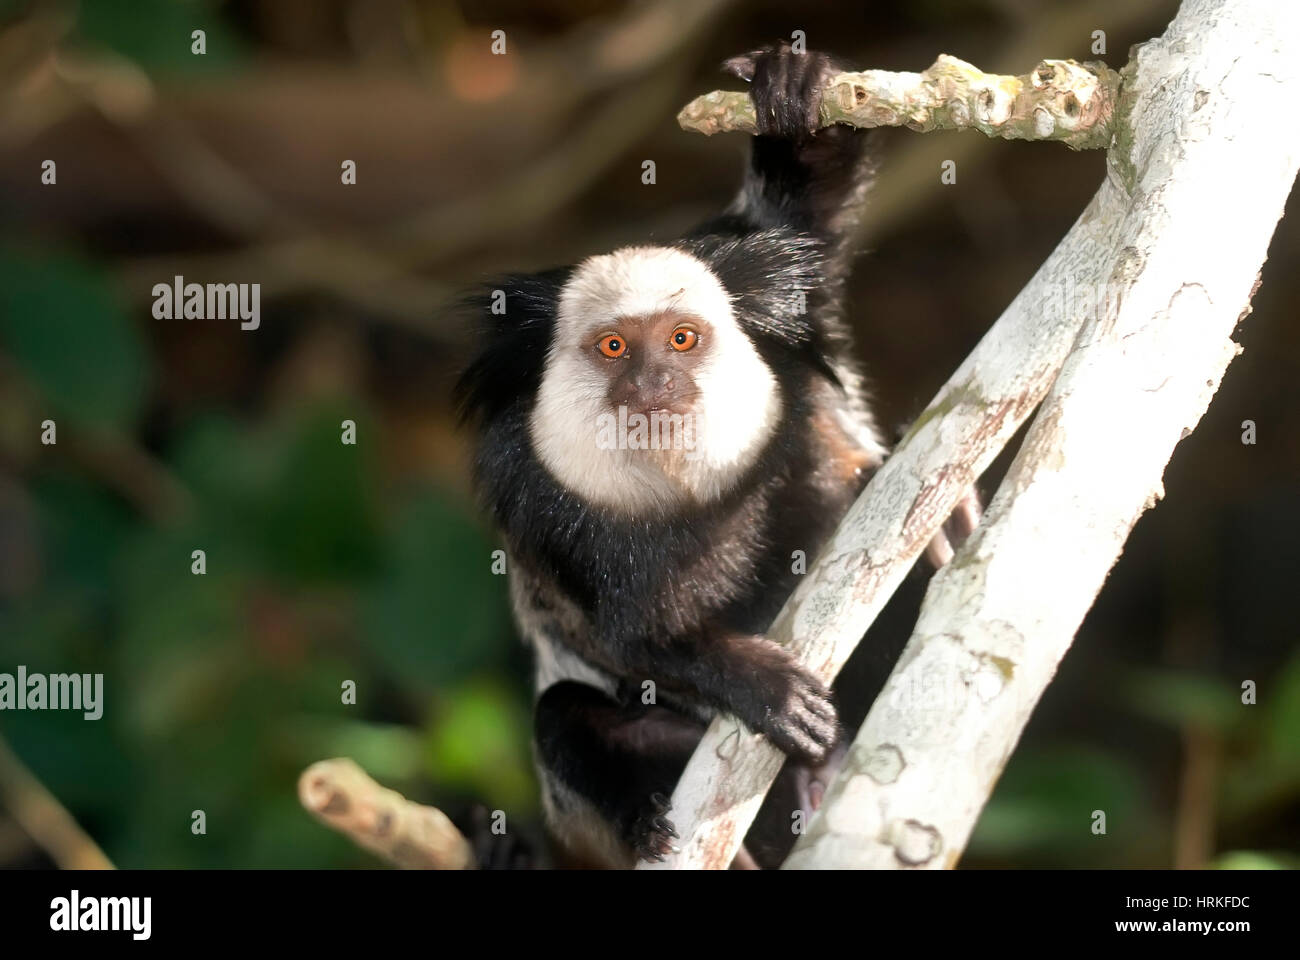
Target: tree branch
(44, 819)
(407, 834)
(1196, 149)
(1058, 100)
(976, 413)
(951, 443)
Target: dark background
(370, 563)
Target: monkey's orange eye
(683, 338)
(612, 345)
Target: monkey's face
(652, 396)
(651, 362)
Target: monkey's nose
(653, 388)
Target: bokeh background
(370, 563)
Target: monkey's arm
(750, 677)
(798, 176)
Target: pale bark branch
(906, 183)
(1124, 233)
(1060, 100)
(1198, 159)
(407, 834)
(950, 444)
(44, 819)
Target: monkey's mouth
(656, 427)
(657, 410)
(678, 405)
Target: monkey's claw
(653, 833)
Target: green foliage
(476, 743)
(221, 688)
(69, 333)
(1038, 813)
(1262, 769)
(436, 576)
(1176, 699)
(1041, 813)
(1282, 727)
(1253, 860)
(156, 34)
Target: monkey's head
(652, 395)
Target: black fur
(512, 345)
(617, 751)
(683, 598)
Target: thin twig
(46, 820)
(407, 834)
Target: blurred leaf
(301, 501)
(179, 635)
(83, 762)
(156, 33)
(66, 618)
(438, 613)
(1254, 860)
(227, 466)
(386, 751)
(320, 520)
(281, 835)
(84, 529)
(1042, 808)
(1263, 766)
(1281, 701)
(68, 332)
(479, 740)
(1178, 699)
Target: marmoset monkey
(661, 428)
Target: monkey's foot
(497, 851)
(652, 833)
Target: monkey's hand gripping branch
(407, 834)
(1058, 100)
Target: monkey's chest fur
(590, 590)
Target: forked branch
(1194, 146)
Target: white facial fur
(738, 402)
